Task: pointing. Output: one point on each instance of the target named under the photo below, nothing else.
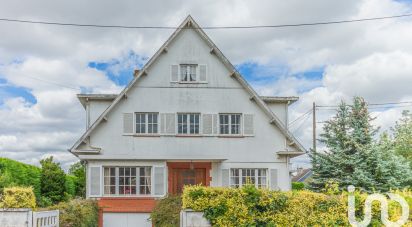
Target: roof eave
(280, 99)
(84, 98)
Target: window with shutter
(202, 73)
(209, 124)
(95, 181)
(207, 120)
(167, 123)
(230, 124)
(127, 123)
(159, 181)
(225, 177)
(274, 179)
(174, 73)
(248, 125)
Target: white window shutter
(207, 123)
(167, 123)
(274, 179)
(127, 123)
(95, 173)
(159, 180)
(225, 177)
(215, 124)
(174, 73)
(202, 73)
(248, 125)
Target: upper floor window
(188, 73)
(147, 123)
(229, 124)
(188, 123)
(240, 177)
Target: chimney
(136, 72)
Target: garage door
(126, 220)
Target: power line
(206, 27)
(369, 104)
(369, 108)
(301, 116)
(53, 83)
(303, 123)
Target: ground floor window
(127, 180)
(240, 177)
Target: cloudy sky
(42, 67)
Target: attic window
(188, 73)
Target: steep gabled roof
(189, 23)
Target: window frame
(230, 125)
(137, 183)
(188, 67)
(237, 179)
(147, 123)
(188, 124)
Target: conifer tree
(53, 180)
(352, 155)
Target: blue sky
(9, 91)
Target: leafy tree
(53, 180)
(403, 136)
(78, 170)
(353, 157)
(14, 173)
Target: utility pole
(314, 126)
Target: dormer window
(188, 73)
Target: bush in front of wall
(248, 206)
(77, 213)
(18, 197)
(167, 212)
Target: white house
(187, 117)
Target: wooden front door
(181, 174)
(188, 177)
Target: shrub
(249, 206)
(167, 212)
(18, 197)
(77, 213)
(298, 185)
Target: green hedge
(77, 213)
(14, 173)
(249, 206)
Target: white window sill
(146, 135)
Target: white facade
(263, 141)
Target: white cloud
(371, 59)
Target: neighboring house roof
(84, 98)
(190, 23)
(302, 175)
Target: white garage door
(126, 220)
